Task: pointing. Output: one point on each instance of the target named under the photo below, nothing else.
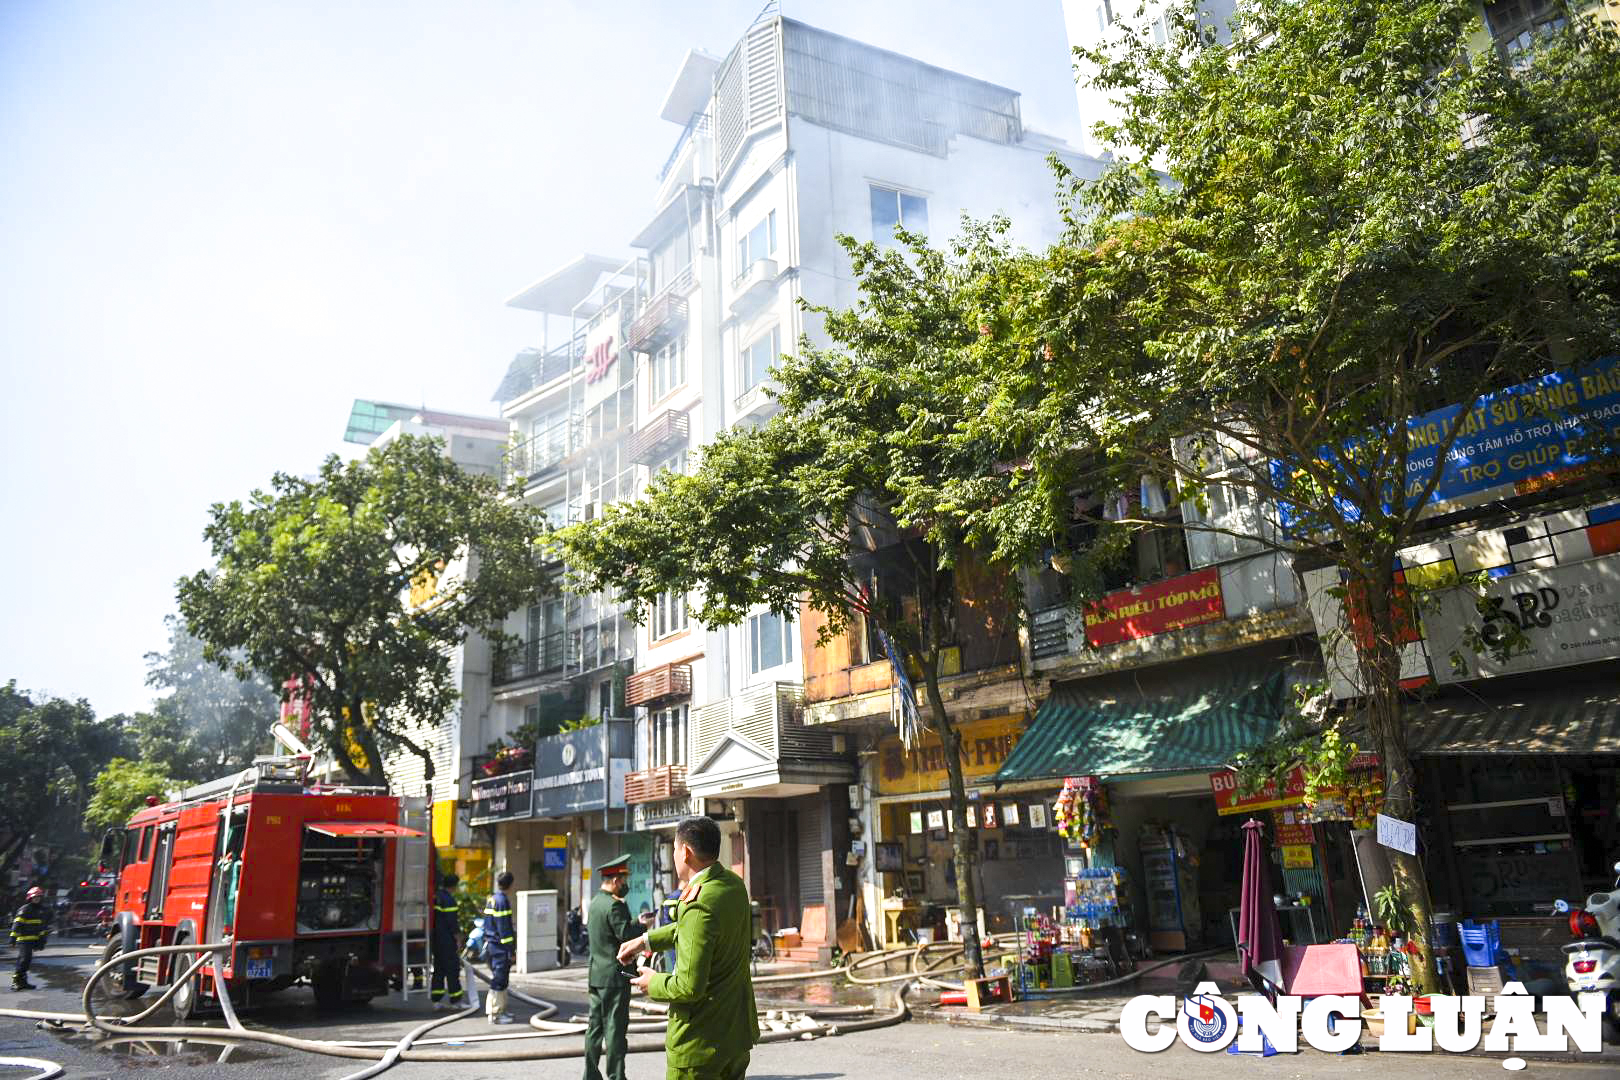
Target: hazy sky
(222, 222)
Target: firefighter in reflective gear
(501, 932)
(446, 964)
(28, 930)
(610, 926)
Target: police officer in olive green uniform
(713, 1023)
(610, 926)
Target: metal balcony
(660, 435)
(655, 785)
(664, 316)
(530, 657)
(537, 457)
(656, 685)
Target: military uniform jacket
(29, 925)
(499, 929)
(446, 920)
(610, 926)
(712, 1017)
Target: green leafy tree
(1365, 220)
(50, 751)
(121, 788)
(208, 722)
(855, 471)
(314, 578)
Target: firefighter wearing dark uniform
(501, 932)
(446, 964)
(610, 926)
(28, 930)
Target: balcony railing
(661, 434)
(699, 122)
(655, 784)
(534, 458)
(530, 657)
(664, 316)
(658, 684)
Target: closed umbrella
(1259, 934)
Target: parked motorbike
(579, 936)
(1592, 961)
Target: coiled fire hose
(414, 1047)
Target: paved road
(924, 1051)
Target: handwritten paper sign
(1397, 834)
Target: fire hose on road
(778, 1023)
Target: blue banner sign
(1506, 439)
(1526, 431)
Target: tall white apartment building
(795, 136)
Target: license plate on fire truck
(261, 965)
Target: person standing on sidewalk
(610, 926)
(501, 933)
(713, 1021)
(28, 930)
(446, 963)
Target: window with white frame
(770, 642)
(757, 243)
(669, 615)
(758, 358)
(669, 368)
(667, 743)
(891, 207)
(1105, 15)
(1222, 521)
(675, 462)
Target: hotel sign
(502, 798)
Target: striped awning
(1076, 733)
(1573, 718)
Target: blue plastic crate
(1481, 942)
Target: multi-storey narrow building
(796, 136)
(793, 137)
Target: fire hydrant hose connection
(780, 1022)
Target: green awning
(1572, 716)
(1079, 734)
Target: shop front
(1520, 778)
(1147, 850)
(1020, 858)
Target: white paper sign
(1397, 834)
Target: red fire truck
(309, 883)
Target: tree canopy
(360, 580)
(208, 722)
(50, 751)
(1348, 216)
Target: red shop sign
(1229, 801)
(1156, 609)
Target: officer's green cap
(621, 865)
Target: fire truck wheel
(124, 986)
(184, 1001)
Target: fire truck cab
(326, 885)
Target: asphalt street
(922, 1050)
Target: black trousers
(446, 973)
(608, 1030)
(25, 959)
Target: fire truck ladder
(412, 892)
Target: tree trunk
(13, 849)
(967, 902)
(1380, 669)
